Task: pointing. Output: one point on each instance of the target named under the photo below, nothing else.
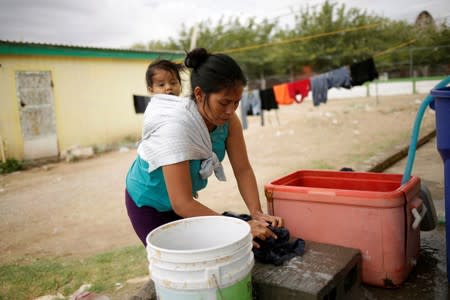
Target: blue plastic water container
(442, 107)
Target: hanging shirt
(363, 71)
(282, 94)
(299, 87)
(319, 84)
(339, 78)
(268, 101)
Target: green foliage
(10, 165)
(432, 47)
(323, 37)
(341, 46)
(28, 280)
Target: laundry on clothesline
(254, 102)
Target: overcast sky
(121, 23)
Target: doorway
(37, 115)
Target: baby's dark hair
(162, 64)
(213, 72)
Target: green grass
(10, 165)
(43, 276)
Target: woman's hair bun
(196, 57)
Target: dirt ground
(77, 209)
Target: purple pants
(144, 219)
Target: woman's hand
(260, 229)
(272, 220)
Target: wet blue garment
(149, 189)
(277, 251)
(274, 251)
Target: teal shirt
(149, 189)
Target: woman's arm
(245, 177)
(237, 153)
(179, 188)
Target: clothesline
(394, 48)
(301, 38)
(287, 93)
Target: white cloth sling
(174, 131)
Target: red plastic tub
(372, 212)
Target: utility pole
(410, 61)
(194, 37)
(411, 69)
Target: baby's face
(165, 82)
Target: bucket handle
(216, 282)
(418, 217)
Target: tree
(324, 38)
(431, 48)
(338, 36)
(233, 36)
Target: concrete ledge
(322, 272)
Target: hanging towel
(174, 131)
(250, 105)
(268, 101)
(339, 78)
(363, 71)
(282, 94)
(319, 86)
(245, 106)
(257, 106)
(255, 102)
(299, 87)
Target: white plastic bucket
(201, 258)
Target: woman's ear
(198, 94)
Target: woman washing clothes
(184, 141)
